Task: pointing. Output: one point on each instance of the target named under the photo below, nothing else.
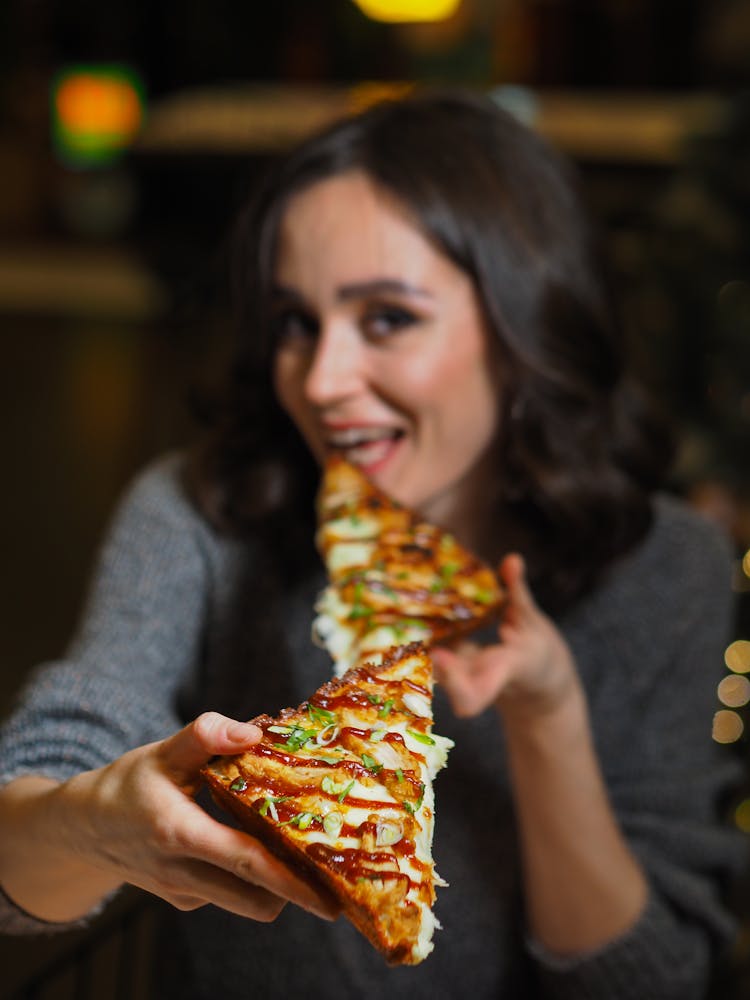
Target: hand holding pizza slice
(340, 789)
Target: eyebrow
(361, 289)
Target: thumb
(512, 572)
(208, 735)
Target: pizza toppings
(394, 579)
(361, 815)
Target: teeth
(369, 453)
(353, 436)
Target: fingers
(512, 572)
(252, 863)
(188, 885)
(467, 678)
(208, 735)
(243, 863)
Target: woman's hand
(531, 670)
(583, 887)
(135, 821)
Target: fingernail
(242, 732)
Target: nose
(338, 367)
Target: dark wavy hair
(579, 451)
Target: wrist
(552, 724)
(44, 868)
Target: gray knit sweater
(181, 620)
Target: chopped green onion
(409, 807)
(388, 832)
(483, 596)
(298, 738)
(238, 785)
(373, 699)
(320, 714)
(269, 805)
(371, 764)
(421, 737)
(385, 710)
(329, 785)
(281, 729)
(436, 586)
(421, 795)
(449, 570)
(327, 760)
(346, 791)
(301, 820)
(399, 775)
(376, 735)
(332, 823)
(327, 735)
(360, 611)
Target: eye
(381, 320)
(290, 326)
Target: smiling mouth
(367, 447)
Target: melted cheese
(347, 555)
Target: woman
(422, 294)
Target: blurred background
(130, 132)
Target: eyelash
(395, 318)
(377, 322)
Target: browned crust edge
(318, 877)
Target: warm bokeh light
(364, 95)
(408, 11)
(728, 726)
(734, 691)
(737, 656)
(97, 112)
(746, 563)
(742, 816)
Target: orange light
(97, 112)
(88, 103)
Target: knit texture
(180, 620)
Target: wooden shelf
(639, 128)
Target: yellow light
(737, 656)
(406, 11)
(746, 563)
(734, 691)
(742, 816)
(728, 726)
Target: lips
(369, 447)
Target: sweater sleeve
(140, 635)
(667, 779)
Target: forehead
(350, 225)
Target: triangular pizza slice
(393, 578)
(341, 790)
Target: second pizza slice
(393, 577)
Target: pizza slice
(393, 578)
(341, 790)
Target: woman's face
(382, 355)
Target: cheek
(455, 391)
